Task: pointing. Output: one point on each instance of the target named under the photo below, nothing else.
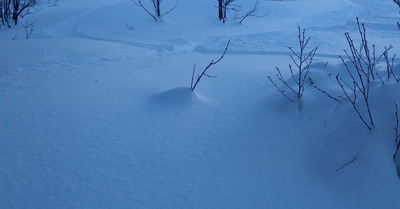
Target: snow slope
(94, 115)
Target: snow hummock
(96, 115)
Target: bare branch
(352, 102)
(130, 27)
(324, 92)
(390, 65)
(252, 13)
(348, 163)
(193, 86)
(140, 4)
(281, 79)
(156, 4)
(194, 70)
(397, 139)
(172, 9)
(28, 29)
(280, 90)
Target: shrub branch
(203, 73)
(396, 129)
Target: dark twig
(157, 8)
(396, 129)
(390, 65)
(251, 13)
(352, 101)
(398, 3)
(323, 91)
(28, 29)
(280, 90)
(140, 4)
(346, 164)
(172, 9)
(193, 86)
(279, 76)
(130, 27)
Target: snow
(95, 115)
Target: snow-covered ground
(95, 115)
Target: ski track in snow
(327, 35)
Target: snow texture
(96, 115)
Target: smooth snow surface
(95, 115)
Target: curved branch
(193, 86)
(140, 4)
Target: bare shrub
(229, 5)
(250, 13)
(363, 62)
(28, 29)
(157, 14)
(299, 72)
(12, 10)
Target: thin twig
(397, 139)
(353, 102)
(324, 92)
(252, 12)
(280, 90)
(28, 29)
(193, 86)
(194, 69)
(346, 164)
(130, 27)
(140, 4)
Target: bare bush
(229, 5)
(299, 73)
(363, 62)
(12, 10)
(157, 14)
(250, 13)
(28, 29)
(5, 12)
